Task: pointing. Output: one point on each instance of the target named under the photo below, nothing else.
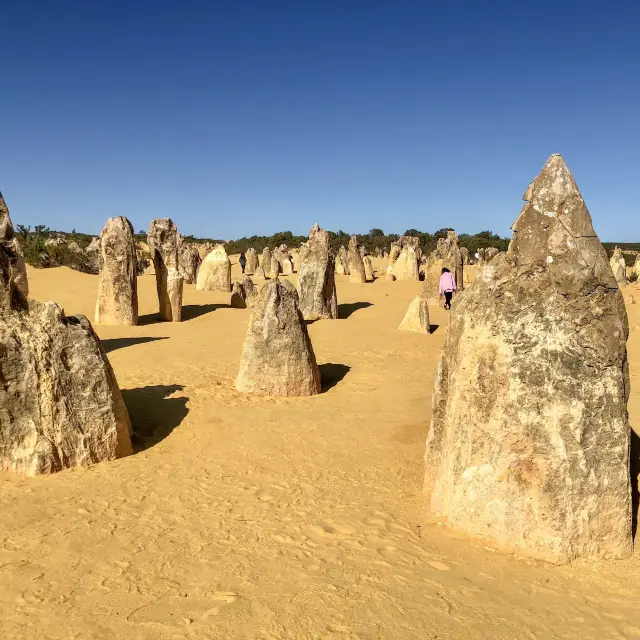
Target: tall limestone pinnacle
(555, 225)
(529, 440)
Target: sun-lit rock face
(529, 440)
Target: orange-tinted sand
(248, 517)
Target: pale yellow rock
(529, 441)
(117, 302)
(277, 356)
(215, 271)
(163, 240)
(60, 405)
(417, 317)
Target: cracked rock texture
(277, 356)
(529, 441)
(316, 277)
(117, 302)
(60, 405)
(163, 240)
(189, 260)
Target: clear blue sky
(237, 118)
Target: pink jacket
(447, 282)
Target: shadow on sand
(153, 414)
(635, 489)
(331, 374)
(111, 344)
(347, 309)
(189, 312)
(433, 328)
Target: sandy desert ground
(247, 517)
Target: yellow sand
(249, 517)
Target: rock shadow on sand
(189, 312)
(347, 309)
(331, 374)
(154, 415)
(111, 344)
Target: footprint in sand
(326, 530)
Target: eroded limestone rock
(215, 271)
(447, 254)
(266, 261)
(60, 405)
(189, 260)
(342, 261)
(619, 266)
(277, 356)
(356, 265)
(417, 317)
(243, 294)
(529, 441)
(117, 302)
(368, 268)
(163, 240)
(283, 256)
(316, 279)
(405, 258)
(252, 261)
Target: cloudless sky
(237, 118)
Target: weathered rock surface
(163, 240)
(465, 256)
(252, 261)
(389, 274)
(14, 269)
(215, 271)
(342, 261)
(529, 440)
(243, 294)
(189, 260)
(117, 302)
(60, 405)
(316, 279)
(277, 357)
(259, 273)
(356, 265)
(274, 269)
(417, 317)
(619, 266)
(447, 254)
(92, 252)
(405, 258)
(368, 268)
(266, 261)
(490, 253)
(283, 256)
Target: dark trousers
(447, 299)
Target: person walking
(447, 287)
(243, 261)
